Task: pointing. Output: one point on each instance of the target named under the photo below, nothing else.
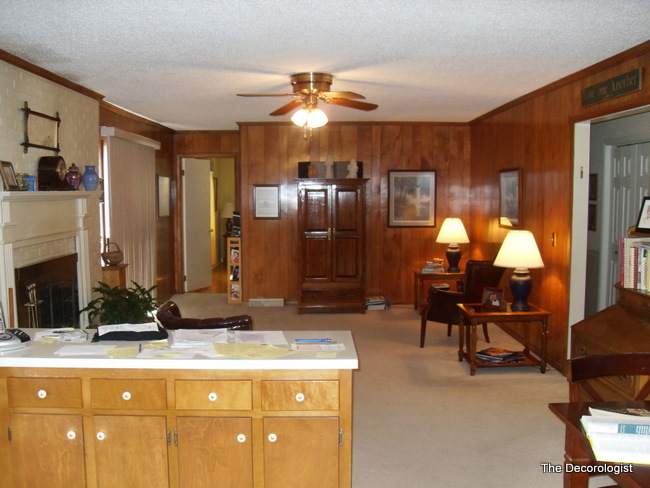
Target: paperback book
(618, 437)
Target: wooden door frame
(179, 265)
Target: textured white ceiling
(181, 62)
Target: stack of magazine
(619, 435)
(496, 355)
(437, 265)
(376, 303)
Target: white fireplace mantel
(39, 226)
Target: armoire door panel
(346, 216)
(347, 264)
(315, 210)
(317, 258)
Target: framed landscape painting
(411, 198)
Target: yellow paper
(250, 351)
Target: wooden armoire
(331, 229)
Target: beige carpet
(420, 420)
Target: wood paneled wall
(112, 116)
(536, 134)
(269, 155)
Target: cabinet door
(316, 233)
(130, 451)
(347, 233)
(47, 449)
(301, 452)
(215, 452)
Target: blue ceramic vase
(90, 178)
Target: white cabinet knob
(241, 438)
(42, 393)
(126, 396)
(101, 436)
(213, 397)
(300, 397)
(71, 435)
(272, 437)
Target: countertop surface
(143, 355)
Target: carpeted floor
(419, 419)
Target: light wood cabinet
(331, 229)
(104, 428)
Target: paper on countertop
(66, 334)
(275, 337)
(87, 350)
(198, 337)
(251, 350)
(148, 327)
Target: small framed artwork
(411, 198)
(266, 201)
(492, 297)
(164, 187)
(593, 187)
(510, 198)
(643, 222)
(592, 215)
(9, 181)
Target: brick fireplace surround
(39, 226)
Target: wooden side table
(477, 314)
(115, 275)
(420, 280)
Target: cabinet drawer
(128, 393)
(300, 395)
(214, 394)
(44, 392)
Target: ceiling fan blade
(352, 104)
(267, 95)
(340, 94)
(285, 109)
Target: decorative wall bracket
(40, 130)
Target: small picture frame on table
(492, 298)
(643, 221)
(9, 181)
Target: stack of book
(499, 356)
(618, 437)
(376, 303)
(435, 266)
(634, 262)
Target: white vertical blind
(130, 186)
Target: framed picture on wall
(411, 198)
(266, 201)
(510, 198)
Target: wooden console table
(477, 314)
(578, 451)
(419, 281)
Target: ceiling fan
(308, 89)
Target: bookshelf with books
(234, 270)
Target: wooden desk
(476, 314)
(578, 453)
(420, 279)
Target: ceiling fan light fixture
(311, 118)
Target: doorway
(594, 143)
(212, 190)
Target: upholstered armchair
(442, 307)
(169, 316)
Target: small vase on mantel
(73, 177)
(90, 178)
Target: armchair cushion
(169, 316)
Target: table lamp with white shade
(519, 250)
(453, 233)
(226, 213)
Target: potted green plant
(115, 305)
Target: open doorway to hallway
(222, 190)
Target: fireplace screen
(47, 294)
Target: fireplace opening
(47, 294)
